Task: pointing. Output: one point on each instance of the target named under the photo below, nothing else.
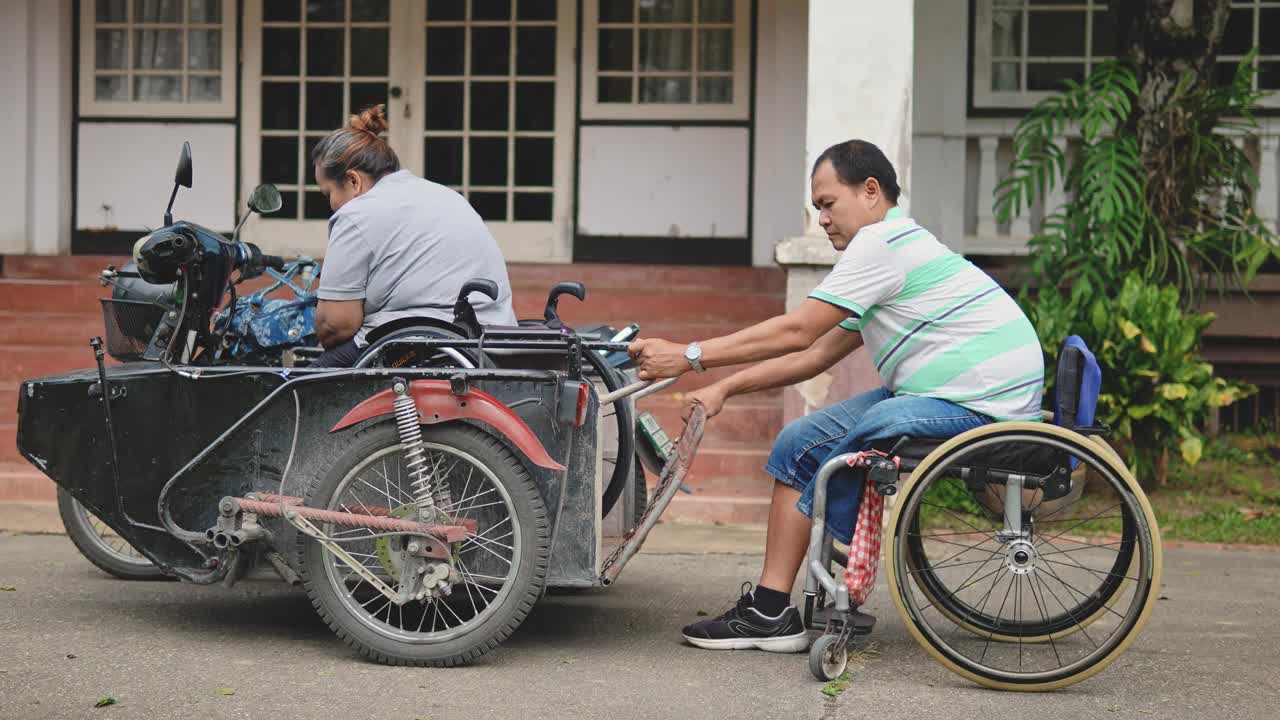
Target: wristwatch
(693, 354)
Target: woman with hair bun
(399, 246)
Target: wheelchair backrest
(1077, 384)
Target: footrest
(862, 623)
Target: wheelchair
(1020, 555)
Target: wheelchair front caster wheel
(828, 657)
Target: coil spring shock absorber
(428, 495)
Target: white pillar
(859, 81)
(987, 187)
(49, 139)
(14, 122)
(1268, 179)
(1058, 195)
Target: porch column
(1268, 179)
(859, 85)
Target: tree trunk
(1166, 39)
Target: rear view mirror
(265, 199)
(183, 174)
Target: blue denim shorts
(851, 426)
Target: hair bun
(371, 120)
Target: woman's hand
(658, 359)
(711, 398)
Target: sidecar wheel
(100, 545)
(502, 565)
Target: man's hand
(711, 398)
(658, 359)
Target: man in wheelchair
(953, 349)
(399, 246)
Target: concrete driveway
(72, 634)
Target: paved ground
(71, 635)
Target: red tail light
(584, 398)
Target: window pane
(666, 11)
(111, 88)
(324, 52)
(444, 106)
(615, 50)
(370, 10)
(488, 161)
(613, 90)
(1055, 34)
(325, 10)
(280, 105)
(324, 106)
(665, 90)
(205, 11)
(369, 51)
(533, 206)
(1104, 34)
(1268, 75)
(157, 88)
(166, 11)
(537, 10)
(446, 9)
(715, 50)
(490, 51)
(157, 49)
(535, 106)
(663, 49)
(1004, 76)
(445, 50)
(536, 51)
(490, 205)
(1237, 39)
(112, 11)
(109, 50)
(616, 10)
(535, 161)
(713, 90)
(1269, 31)
(280, 160)
(490, 9)
(205, 51)
(317, 206)
(281, 11)
(1048, 76)
(204, 88)
(1006, 34)
(443, 160)
(366, 95)
(715, 11)
(280, 51)
(288, 207)
(490, 108)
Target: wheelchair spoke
(1082, 522)
(1045, 619)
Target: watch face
(693, 352)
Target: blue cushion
(1079, 382)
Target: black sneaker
(745, 628)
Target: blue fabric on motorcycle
(276, 322)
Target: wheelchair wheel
(1046, 608)
(617, 431)
(375, 355)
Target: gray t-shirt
(406, 247)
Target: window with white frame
(666, 59)
(157, 57)
(1024, 49)
(1251, 24)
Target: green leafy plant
(1123, 216)
(1156, 390)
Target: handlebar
(637, 390)
(275, 262)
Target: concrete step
(718, 510)
(51, 296)
(24, 362)
(58, 267)
(68, 329)
(602, 277)
(24, 482)
(656, 305)
(8, 402)
(745, 419)
(9, 443)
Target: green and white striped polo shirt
(934, 324)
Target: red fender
(437, 403)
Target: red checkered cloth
(864, 550)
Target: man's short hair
(856, 160)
